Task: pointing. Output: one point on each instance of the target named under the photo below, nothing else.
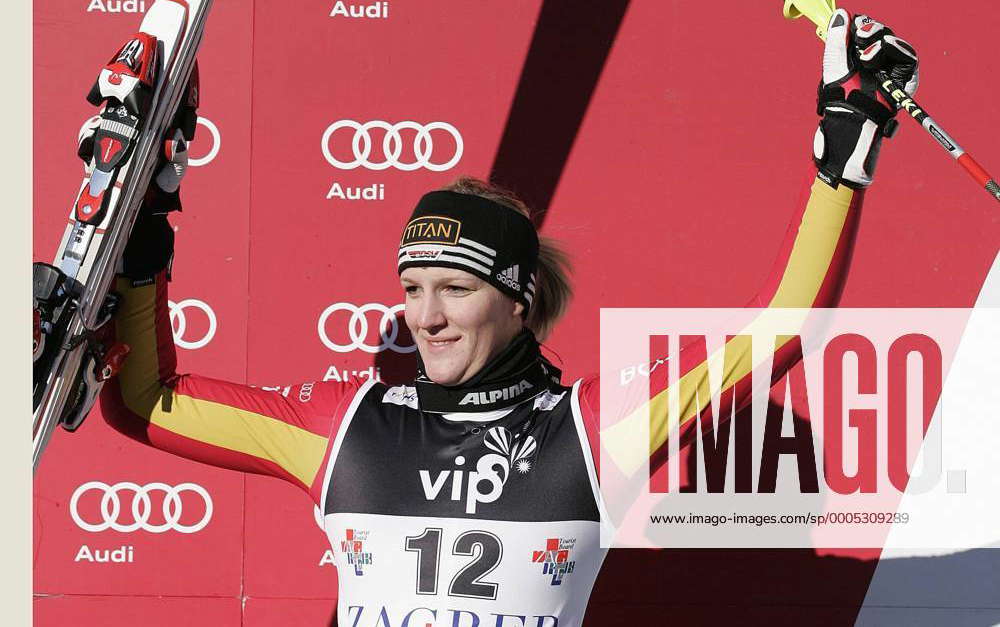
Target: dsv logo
(179, 323)
(110, 510)
(92, 123)
(357, 328)
(392, 145)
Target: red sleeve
(283, 432)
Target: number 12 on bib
(149, 87)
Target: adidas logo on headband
(509, 277)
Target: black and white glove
(855, 115)
(150, 246)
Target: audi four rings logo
(392, 145)
(111, 507)
(178, 320)
(357, 328)
(210, 126)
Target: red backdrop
(668, 149)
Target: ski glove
(855, 116)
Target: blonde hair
(553, 290)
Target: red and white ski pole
(819, 12)
(891, 90)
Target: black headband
(475, 234)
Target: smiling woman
(483, 471)
(471, 495)
(459, 312)
(457, 320)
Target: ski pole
(819, 12)
(892, 90)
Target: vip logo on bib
(555, 558)
(353, 547)
(492, 471)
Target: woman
(471, 496)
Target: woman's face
(458, 321)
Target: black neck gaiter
(514, 375)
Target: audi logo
(392, 145)
(111, 507)
(357, 328)
(178, 320)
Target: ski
(149, 86)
